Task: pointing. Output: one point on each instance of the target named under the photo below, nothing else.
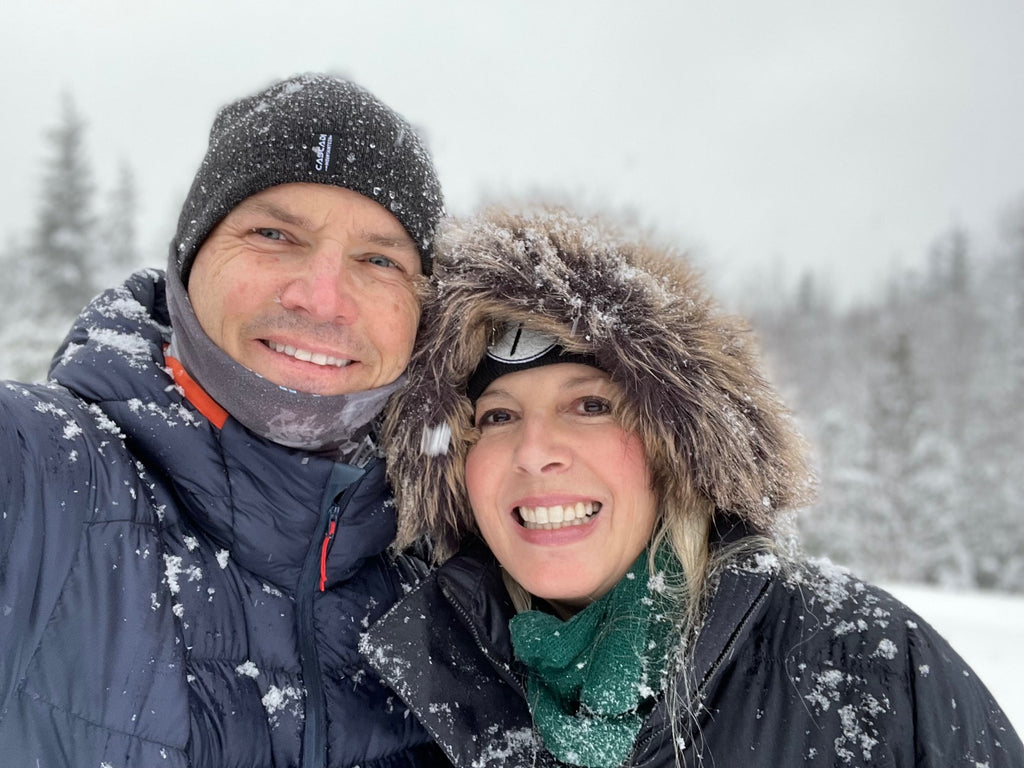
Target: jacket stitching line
(102, 726)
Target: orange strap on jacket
(195, 394)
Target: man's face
(312, 287)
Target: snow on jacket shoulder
(159, 577)
(799, 664)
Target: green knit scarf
(594, 678)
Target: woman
(600, 467)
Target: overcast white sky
(766, 136)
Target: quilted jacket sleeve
(44, 492)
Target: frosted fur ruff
(690, 373)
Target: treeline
(79, 242)
(914, 405)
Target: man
(193, 515)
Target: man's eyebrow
(276, 212)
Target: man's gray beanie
(311, 128)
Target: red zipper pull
(332, 526)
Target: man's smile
(317, 358)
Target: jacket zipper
(341, 487)
(700, 691)
(510, 676)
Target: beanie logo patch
(322, 146)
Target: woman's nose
(541, 447)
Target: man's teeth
(319, 358)
(559, 515)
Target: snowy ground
(987, 629)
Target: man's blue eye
(382, 261)
(269, 233)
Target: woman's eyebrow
(577, 381)
(493, 393)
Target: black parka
(160, 598)
(796, 664)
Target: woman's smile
(557, 515)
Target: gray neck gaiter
(335, 424)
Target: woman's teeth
(558, 516)
(318, 358)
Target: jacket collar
(472, 582)
(458, 618)
(451, 633)
(739, 599)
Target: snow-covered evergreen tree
(50, 272)
(63, 241)
(120, 252)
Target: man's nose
(323, 287)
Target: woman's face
(560, 491)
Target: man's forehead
(289, 203)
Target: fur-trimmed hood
(690, 372)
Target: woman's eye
(269, 233)
(493, 417)
(594, 406)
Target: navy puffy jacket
(160, 600)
